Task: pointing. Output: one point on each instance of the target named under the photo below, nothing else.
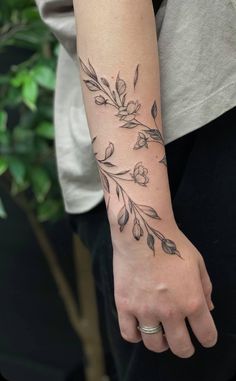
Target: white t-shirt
(197, 51)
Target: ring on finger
(150, 330)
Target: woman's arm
(122, 97)
(159, 275)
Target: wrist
(120, 215)
(142, 232)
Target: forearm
(122, 98)
(124, 116)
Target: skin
(151, 286)
(165, 289)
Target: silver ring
(150, 330)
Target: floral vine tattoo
(127, 111)
(130, 210)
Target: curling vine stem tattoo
(130, 208)
(127, 110)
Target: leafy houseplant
(27, 167)
(27, 164)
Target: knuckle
(122, 304)
(144, 310)
(209, 288)
(168, 313)
(201, 259)
(194, 305)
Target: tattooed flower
(100, 100)
(140, 174)
(129, 112)
(137, 230)
(142, 141)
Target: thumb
(206, 284)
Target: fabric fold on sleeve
(59, 16)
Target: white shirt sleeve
(59, 16)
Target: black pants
(202, 174)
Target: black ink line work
(136, 75)
(130, 210)
(163, 160)
(126, 111)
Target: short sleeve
(59, 16)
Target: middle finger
(178, 337)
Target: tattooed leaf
(85, 69)
(123, 99)
(120, 85)
(105, 182)
(91, 85)
(114, 95)
(93, 72)
(157, 234)
(122, 173)
(123, 217)
(108, 164)
(136, 75)
(105, 82)
(130, 124)
(149, 211)
(169, 247)
(130, 206)
(154, 110)
(94, 138)
(118, 192)
(100, 100)
(163, 160)
(154, 133)
(141, 231)
(151, 241)
(109, 150)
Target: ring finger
(155, 342)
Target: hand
(163, 288)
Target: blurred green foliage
(27, 162)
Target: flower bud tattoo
(131, 212)
(114, 180)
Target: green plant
(27, 165)
(27, 158)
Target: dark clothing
(156, 5)
(202, 174)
